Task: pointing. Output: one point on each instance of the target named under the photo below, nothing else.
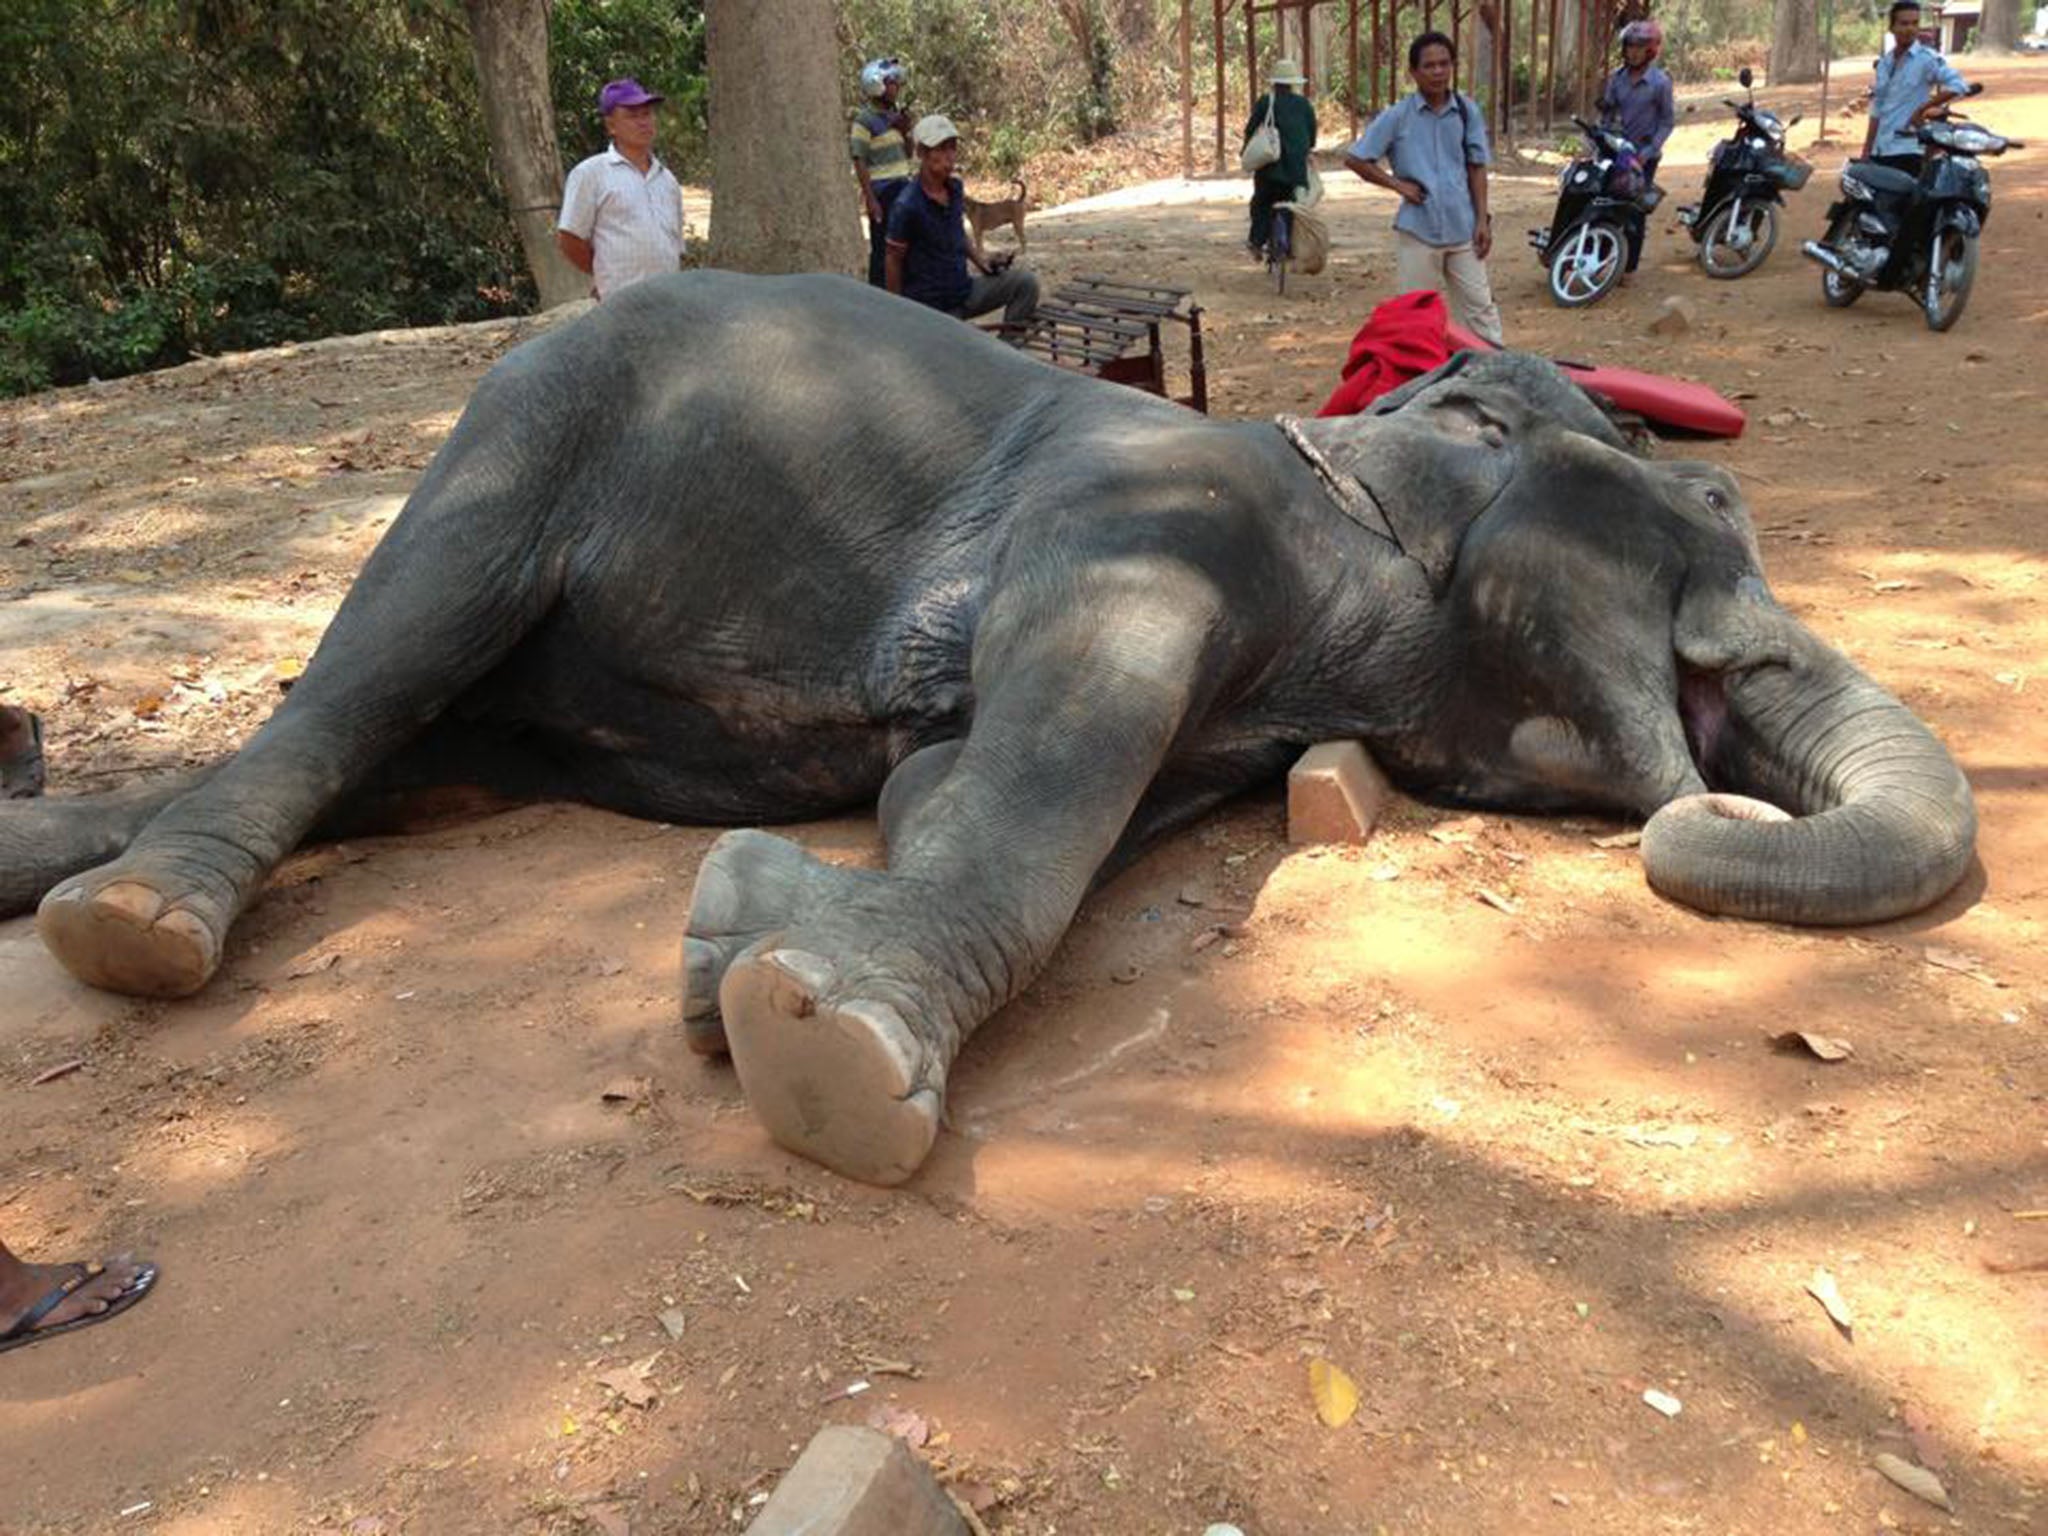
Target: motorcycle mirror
(1743, 77)
(1797, 117)
(1976, 89)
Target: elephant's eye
(1716, 500)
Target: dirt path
(1507, 1169)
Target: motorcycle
(1735, 222)
(1900, 234)
(1599, 195)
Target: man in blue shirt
(930, 244)
(1912, 81)
(1435, 142)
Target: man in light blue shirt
(1435, 142)
(1912, 81)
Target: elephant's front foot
(128, 930)
(841, 1078)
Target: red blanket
(1410, 334)
(1402, 339)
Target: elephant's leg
(753, 884)
(844, 1023)
(450, 590)
(45, 841)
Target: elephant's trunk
(1883, 820)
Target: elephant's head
(1600, 634)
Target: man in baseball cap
(622, 211)
(930, 244)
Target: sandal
(25, 1330)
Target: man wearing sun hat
(1296, 121)
(930, 244)
(622, 211)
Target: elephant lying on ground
(740, 549)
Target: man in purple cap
(622, 212)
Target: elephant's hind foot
(115, 930)
(843, 1081)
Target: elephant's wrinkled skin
(738, 550)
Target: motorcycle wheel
(1951, 269)
(1727, 251)
(1837, 291)
(1586, 265)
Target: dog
(1010, 210)
(21, 754)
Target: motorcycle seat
(1882, 178)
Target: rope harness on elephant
(1351, 496)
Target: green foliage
(184, 176)
(660, 43)
(1019, 79)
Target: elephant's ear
(1435, 453)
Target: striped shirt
(878, 144)
(634, 222)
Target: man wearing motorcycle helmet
(1636, 102)
(881, 154)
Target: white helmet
(877, 75)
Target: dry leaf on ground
(906, 1426)
(1822, 1288)
(1962, 964)
(631, 1383)
(633, 1092)
(1335, 1394)
(1826, 1047)
(1917, 1481)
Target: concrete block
(858, 1482)
(1673, 318)
(1334, 794)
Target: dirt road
(1507, 1168)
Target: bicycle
(1280, 247)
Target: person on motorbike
(1636, 102)
(1913, 82)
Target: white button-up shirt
(634, 222)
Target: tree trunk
(782, 199)
(1795, 43)
(510, 40)
(1998, 27)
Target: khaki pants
(1454, 272)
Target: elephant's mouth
(1703, 710)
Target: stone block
(1673, 318)
(858, 1482)
(1334, 794)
